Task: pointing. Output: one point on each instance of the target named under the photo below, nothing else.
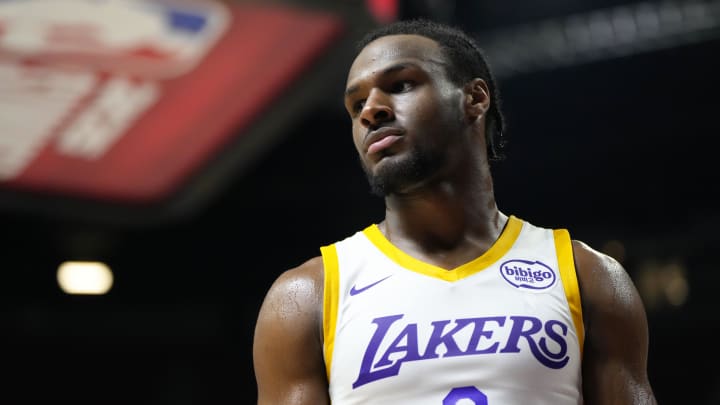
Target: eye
(402, 86)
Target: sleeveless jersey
(505, 328)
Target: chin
(394, 175)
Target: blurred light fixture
(601, 34)
(85, 278)
(663, 284)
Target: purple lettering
(545, 340)
(437, 338)
(553, 335)
(517, 331)
(535, 325)
(366, 374)
(480, 332)
(410, 348)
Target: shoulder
(297, 289)
(311, 271)
(597, 270)
(606, 288)
(615, 348)
(303, 286)
(292, 308)
(288, 341)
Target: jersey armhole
(568, 274)
(330, 302)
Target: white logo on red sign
(81, 72)
(150, 38)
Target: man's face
(406, 114)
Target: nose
(376, 110)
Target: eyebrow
(391, 69)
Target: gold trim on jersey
(496, 251)
(330, 302)
(568, 274)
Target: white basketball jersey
(503, 329)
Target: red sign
(90, 108)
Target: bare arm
(616, 338)
(287, 346)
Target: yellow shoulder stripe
(566, 262)
(330, 302)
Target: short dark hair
(467, 61)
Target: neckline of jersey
(501, 246)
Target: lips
(382, 138)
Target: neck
(447, 216)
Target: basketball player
(448, 300)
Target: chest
(500, 329)
(396, 329)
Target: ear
(477, 99)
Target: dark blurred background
(612, 111)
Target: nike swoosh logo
(356, 291)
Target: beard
(398, 175)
